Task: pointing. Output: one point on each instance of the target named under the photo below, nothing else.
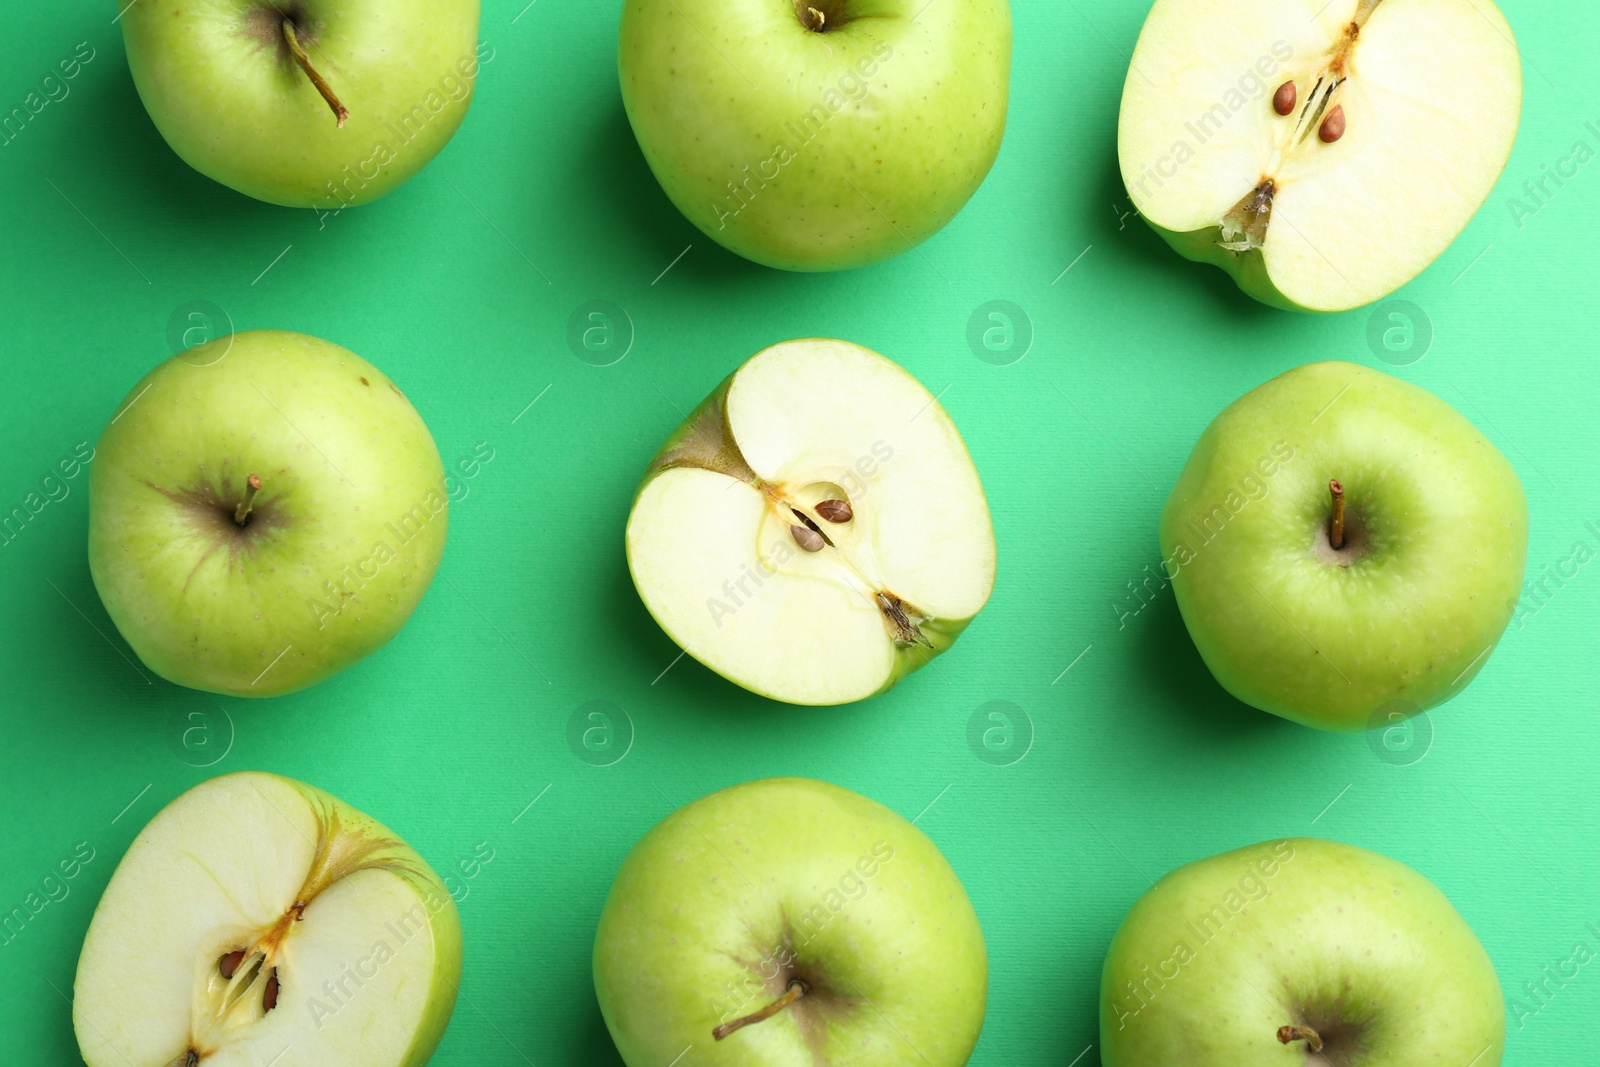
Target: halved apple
(816, 529)
(258, 920)
(1323, 153)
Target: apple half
(789, 923)
(259, 920)
(1298, 953)
(1321, 153)
(815, 530)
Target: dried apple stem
(1286, 1034)
(796, 990)
(252, 486)
(299, 52)
(1336, 524)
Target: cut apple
(1321, 153)
(816, 529)
(258, 920)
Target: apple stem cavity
(1313, 1040)
(797, 988)
(340, 112)
(1336, 523)
(241, 514)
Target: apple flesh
(265, 510)
(305, 103)
(1402, 613)
(1298, 951)
(259, 920)
(817, 134)
(815, 530)
(1323, 155)
(788, 923)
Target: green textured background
(461, 284)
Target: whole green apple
(305, 103)
(1345, 547)
(1298, 951)
(817, 134)
(264, 510)
(258, 920)
(788, 923)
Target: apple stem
(1287, 1034)
(340, 112)
(252, 486)
(1336, 525)
(797, 989)
(813, 19)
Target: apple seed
(806, 538)
(230, 963)
(1332, 127)
(835, 511)
(269, 999)
(1283, 99)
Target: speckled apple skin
(343, 540)
(907, 115)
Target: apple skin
(686, 942)
(1297, 930)
(347, 465)
(900, 150)
(1406, 626)
(225, 93)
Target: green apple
(817, 134)
(816, 530)
(789, 923)
(258, 920)
(264, 510)
(306, 103)
(1345, 547)
(1323, 153)
(1298, 952)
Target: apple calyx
(296, 49)
(1244, 227)
(1288, 1034)
(797, 988)
(1336, 522)
(252, 486)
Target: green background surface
(461, 284)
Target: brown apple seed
(230, 963)
(269, 999)
(1283, 99)
(835, 511)
(1333, 126)
(806, 538)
